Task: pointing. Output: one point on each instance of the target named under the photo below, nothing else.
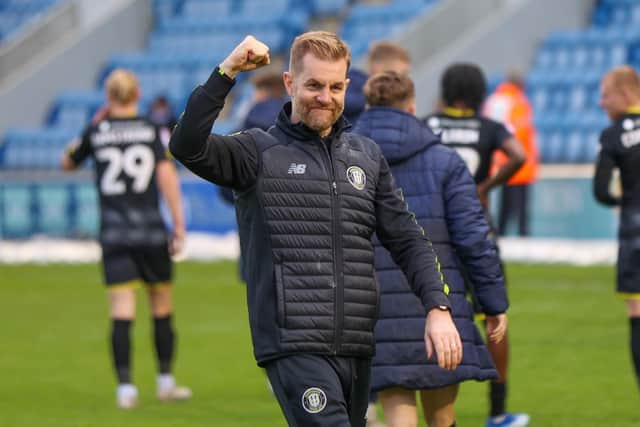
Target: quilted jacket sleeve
(469, 233)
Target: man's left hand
(441, 336)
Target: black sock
(121, 349)
(164, 338)
(635, 345)
(498, 396)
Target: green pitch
(570, 358)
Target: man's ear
(346, 83)
(287, 78)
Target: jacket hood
(302, 132)
(400, 135)
(355, 102)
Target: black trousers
(514, 204)
(321, 391)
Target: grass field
(570, 359)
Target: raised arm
(399, 232)
(516, 157)
(225, 160)
(170, 188)
(602, 180)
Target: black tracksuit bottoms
(321, 391)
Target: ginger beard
(320, 116)
(317, 92)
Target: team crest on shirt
(314, 400)
(357, 177)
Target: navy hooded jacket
(441, 193)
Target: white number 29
(137, 161)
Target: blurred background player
(620, 149)
(435, 180)
(381, 56)
(161, 112)
(476, 139)
(268, 98)
(509, 105)
(131, 166)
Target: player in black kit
(476, 138)
(620, 151)
(131, 166)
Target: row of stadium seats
(563, 85)
(570, 137)
(594, 49)
(15, 14)
(571, 145)
(563, 92)
(617, 13)
(183, 49)
(167, 9)
(35, 148)
(370, 22)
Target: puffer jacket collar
(301, 132)
(400, 135)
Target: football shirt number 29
(136, 161)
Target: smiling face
(317, 89)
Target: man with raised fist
(309, 198)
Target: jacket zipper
(337, 253)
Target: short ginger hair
(322, 44)
(383, 51)
(625, 77)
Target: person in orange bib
(509, 105)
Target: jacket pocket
(280, 295)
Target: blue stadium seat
(329, 7)
(276, 8)
(165, 9)
(73, 109)
(207, 8)
(36, 148)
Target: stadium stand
(17, 14)
(563, 84)
(188, 39)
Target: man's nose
(324, 97)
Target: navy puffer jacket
(440, 191)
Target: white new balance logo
(297, 168)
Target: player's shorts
(128, 266)
(628, 280)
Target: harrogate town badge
(314, 400)
(357, 177)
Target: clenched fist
(250, 54)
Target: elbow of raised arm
(66, 163)
(520, 158)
